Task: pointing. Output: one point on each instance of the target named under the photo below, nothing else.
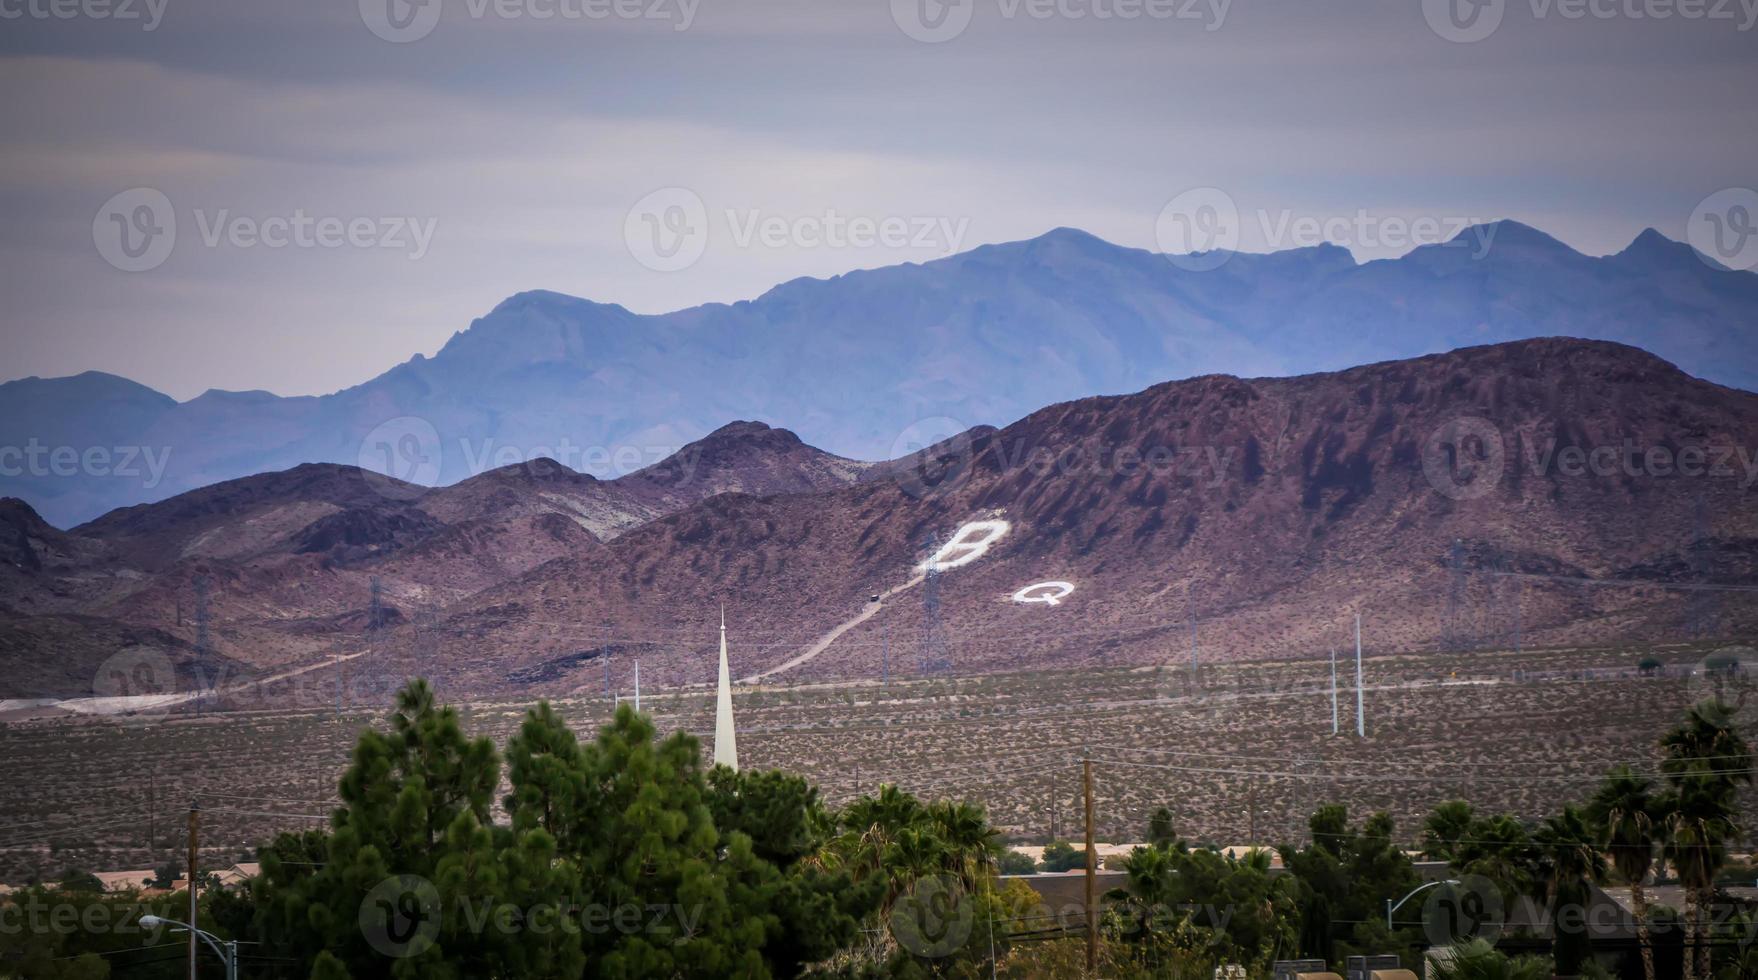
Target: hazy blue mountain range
(872, 364)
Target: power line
(1372, 777)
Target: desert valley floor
(1239, 752)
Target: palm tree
(1706, 762)
(1568, 863)
(1623, 812)
(1445, 826)
(1478, 960)
(1699, 821)
(1499, 849)
(971, 842)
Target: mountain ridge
(856, 362)
(1283, 503)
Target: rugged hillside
(284, 564)
(1277, 508)
(857, 363)
(745, 457)
(1548, 492)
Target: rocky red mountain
(285, 562)
(1548, 492)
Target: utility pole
(201, 643)
(1333, 690)
(1086, 766)
(606, 658)
(1190, 614)
(1052, 809)
(885, 652)
(1360, 699)
(194, 827)
(1519, 592)
(637, 686)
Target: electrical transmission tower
(375, 618)
(934, 657)
(1455, 634)
(201, 641)
(1700, 604)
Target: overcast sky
(496, 149)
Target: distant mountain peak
(1075, 236)
(539, 469)
(1652, 250)
(751, 429)
(549, 298)
(751, 456)
(1508, 232)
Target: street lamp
(1390, 908)
(228, 953)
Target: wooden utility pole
(1086, 767)
(194, 827)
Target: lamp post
(227, 952)
(1390, 908)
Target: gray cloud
(526, 141)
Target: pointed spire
(726, 749)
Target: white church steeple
(726, 748)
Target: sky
(296, 196)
